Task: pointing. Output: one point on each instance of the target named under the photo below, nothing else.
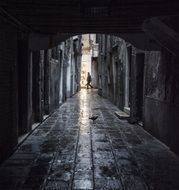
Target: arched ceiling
(87, 16)
(52, 21)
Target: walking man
(89, 81)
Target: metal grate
(96, 11)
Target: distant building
(89, 59)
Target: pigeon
(94, 117)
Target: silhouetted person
(89, 81)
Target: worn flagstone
(69, 151)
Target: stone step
(121, 115)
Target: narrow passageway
(69, 151)
(51, 52)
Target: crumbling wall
(161, 105)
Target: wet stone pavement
(68, 151)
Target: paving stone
(23, 156)
(102, 155)
(99, 138)
(11, 182)
(18, 171)
(68, 151)
(84, 160)
(84, 175)
(103, 184)
(132, 139)
(133, 182)
(102, 146)
(118, 143)
(83, 167)
(105, 170)
(61, 175)
(122, 153)
(56, 185)
(64, 158)
(82, 184)
(33, 182)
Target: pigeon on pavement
(94, 117)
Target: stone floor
(69, 151)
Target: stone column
(133, 97)
(24, 86)
(137, 82)
(37, 108)
(46, 82)
(42, 83)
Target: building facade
(114, 70)
(37, 82)
(89, 60)
(143, 84)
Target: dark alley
(68, 151)
(89, 94)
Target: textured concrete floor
(68, 151)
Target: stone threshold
(122, 115)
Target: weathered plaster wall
(112, 62)
(161, 102)
(37, 92)
(94, 72)
(29, 83)
(54, 84)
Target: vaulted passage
(89, 94)
(69, 151)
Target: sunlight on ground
(84, 112)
